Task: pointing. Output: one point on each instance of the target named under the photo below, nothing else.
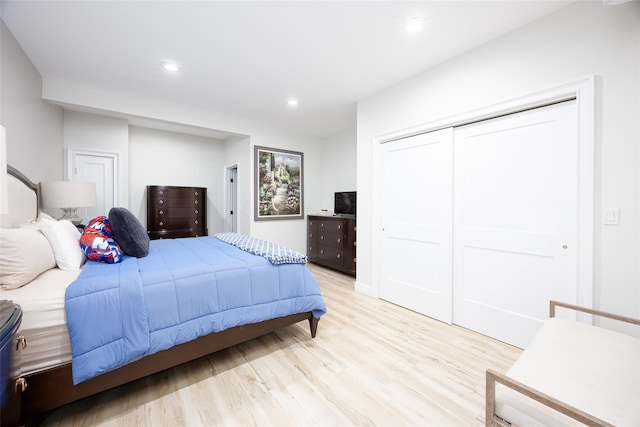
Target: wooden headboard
(23, 199)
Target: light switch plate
(611, 216)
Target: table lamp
(68, 196)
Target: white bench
(572, 373)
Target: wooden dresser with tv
(331, 242)
(176, 211)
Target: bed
(50, 371)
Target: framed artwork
(278, 184)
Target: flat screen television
(345, 203)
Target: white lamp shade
(4, 190)
(68, 194)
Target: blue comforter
(184, 288)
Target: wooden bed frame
(493, 378)
(31, 396)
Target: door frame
(583, 90)
(231, 196)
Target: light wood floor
(371, 364)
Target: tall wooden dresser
(331, 242)
(176, 211)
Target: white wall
(583, 39)
(34, 128)
(238, 153)
(100, 134)
(339, 166)
(160, 157)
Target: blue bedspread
(184, 288)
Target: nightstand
(10, 320)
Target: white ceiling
(246, 58)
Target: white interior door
(416, 218)
(516, 220)
(98, 168)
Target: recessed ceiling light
(292, 102)
(170, 66)
(415, 24)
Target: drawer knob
(21, 342)
(339, 240)
(161, 192)
(161, 223)
(21, 384)
(196, 202)
(196, 211)
(321, 251)
(196, 193)
(161, 212)
(161, 202)
(321, 224)
(321, 237)
(196, 221)
(310, 234)
(339, 226)
(338, 256)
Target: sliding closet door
(416, 218)
(515, 224)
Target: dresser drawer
(176, 203)
(333, 240)
(333, 225)
(174, 223)
(334, 256)
(176, 192)
(312, 250)
(166, 212)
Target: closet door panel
(416, 218)
(515, 220)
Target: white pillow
(42, 215)
(24, 254)
(64, 238)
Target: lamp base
(72, 215)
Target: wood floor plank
(372, 363)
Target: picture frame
(279, 184)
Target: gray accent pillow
(129, 233)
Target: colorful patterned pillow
(97, 241)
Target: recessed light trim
(415, 24)
(292, 102)
(170, 66)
